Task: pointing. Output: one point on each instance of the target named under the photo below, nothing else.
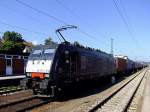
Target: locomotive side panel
(95, 65)
(66, 67)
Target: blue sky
(99, 18)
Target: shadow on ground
(87, 88)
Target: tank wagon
(52, 69)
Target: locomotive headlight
(46, 75)
(29, 74)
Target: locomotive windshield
(48, 53)
(42, 54)
(37, 52)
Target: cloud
(35, 42)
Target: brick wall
(18, 66)
(2, 66)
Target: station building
(12, 63)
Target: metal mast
(112, 52)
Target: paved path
(146, 95)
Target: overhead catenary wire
(72, 12)
(125, 22)
(21, 28)
(24, 14)
(53, 17)
(85, 33)
(42, 12)
(123, 9)
(130, 29)
(79, 29)
(68, 9)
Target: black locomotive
(50, 70)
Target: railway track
(88, 102)
(28, 103)
(24, 104)
(120, 99)
(8, 90)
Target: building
(12, 63)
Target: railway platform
(145, 107)
(6, 77)
(11, 80)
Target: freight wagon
(130, 66)
(124, 65)
(121, 64)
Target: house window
(21, 57)
(25, 57)
(2, 56)
(15, 57)
(8, 57)
(8, 62)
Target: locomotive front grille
(38, 75)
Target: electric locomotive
(51, 69)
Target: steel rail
(93, 109)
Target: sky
(97, 22)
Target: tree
(12, 41)
(12, 36)
(0, 43)
(50, 42)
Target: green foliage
(7, 45)
(12, 36)
(12, 41)
(50, 42)
(0, 43)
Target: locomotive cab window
(37, 51)
(35, 54)
(49, 51)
